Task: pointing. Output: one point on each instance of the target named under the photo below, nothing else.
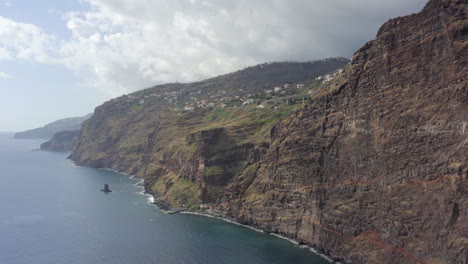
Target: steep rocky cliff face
(188, 157)
(375, 169)
(62, 141)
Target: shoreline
(151, 199)
(234, 222)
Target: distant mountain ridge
(47, 131)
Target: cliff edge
(372, 169)
(61, 141)
(375, 169)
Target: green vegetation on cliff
(372, 169)
(188, 141)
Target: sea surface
(52, 211)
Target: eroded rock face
(376, 169)
(61, 141)
(373, 170)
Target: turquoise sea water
(53, 212)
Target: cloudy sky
(61, 58)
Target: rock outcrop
(374, 169)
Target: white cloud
(4, 75)
(25, 41)
(8, 4)
(126, 45)
(131, 44)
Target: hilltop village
(188, 100)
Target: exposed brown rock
(375, 170)
(61, 141)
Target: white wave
(151, 200)
(225, 220)
(328, 258)
(149, 197)
(139, 183)
(285, 238)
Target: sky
(62, 58)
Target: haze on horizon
(61, 59)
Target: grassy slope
(150, 139)
(244, 125)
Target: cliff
(61, 141)
(128, 121)
(373, 169)
(153, 133)
(47, 131)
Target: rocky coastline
(373, 169)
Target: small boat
(106, 188)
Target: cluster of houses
(181, 100)
(278, 89)
(190, 106)
(328, 77)
(170, 97)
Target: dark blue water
(52, 212)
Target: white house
(248, 101)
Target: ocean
(52, 211)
